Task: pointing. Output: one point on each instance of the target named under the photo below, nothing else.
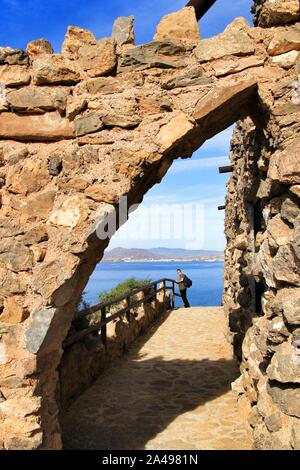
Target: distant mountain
(153, 254)
(182, 253)
(129, 253)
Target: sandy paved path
(170, 391)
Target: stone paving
(170, 391)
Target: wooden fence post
(127, 306)
(173, 295)
(104, 328)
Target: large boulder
(275, 12)
(235, 40)
(74, 39)
(123, 32)
(99, 58)
(38, 47)
(286, 396)
(55, 69)
(181, 25)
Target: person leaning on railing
(182, 287)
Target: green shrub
(123, 288)
(120, 290)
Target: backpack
(187, 281)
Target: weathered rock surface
(217, 101)
(15, 255)
(290, 304)
(73, 211)
(102, 193)
(75, 38)
(181, 25)
(39, 207)
(285, 40)
(290, 209)
(75, 106)
(36, 99)
(285, 364)
(286, 60)
(104, 85)
(286, 266)
(274, 12)
(286, 397)
(285, 165)
(193, 77)
(37, 330)
(123, 32)
(55, 69)
(11, 56)
(50, 126)
(154, 54)
(87, 124)
(228, 66)
(106, 119)
(13, 312)
(99, 58)
(39, 47)
(296, 237)
(171, 134)
(15, 76)
(279, 231)
(234, 41)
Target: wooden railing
(149, 293)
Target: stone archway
(102, 120)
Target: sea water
(207, 279)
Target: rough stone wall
(262, 271)
(84, 361)
(275, 12)
(105, 119)
(265, 287)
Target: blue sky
(22, 21)
(195, 182)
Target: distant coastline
(161, 255)
(163, 260)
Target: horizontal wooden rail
(150, 292)
(226, 169)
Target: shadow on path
(133, 402)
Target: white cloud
(180, 166)
(219, 144)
